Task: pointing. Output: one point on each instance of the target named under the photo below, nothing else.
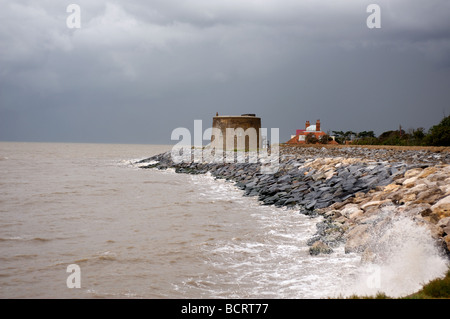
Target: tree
(339, 136)
(366, 138)
(324, 139)
(311, 139)
(389, 138)
(365, 134)
(418, 134)
(349, 135)
(439, 135)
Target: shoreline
(359, 191)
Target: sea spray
(405, 257)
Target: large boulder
(444, 223)
(351, 211)
(442, 208)
(447, 242)
(358, 238)
(320, 247)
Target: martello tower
(236, 132)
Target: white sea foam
(409, 259)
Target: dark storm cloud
(136, 70)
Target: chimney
(307, 125)
(318, 125)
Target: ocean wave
(17, 238)
(408, 258)
(99, 294)
(25, 256)
(101, 256)
(20, 238)
(40, 239)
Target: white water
(409, 259)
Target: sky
(134, 71)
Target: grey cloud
(138, 69)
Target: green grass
(437, 288)
(380, 295)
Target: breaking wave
(407, 258)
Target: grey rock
(310, 205)
(319, 247)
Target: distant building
(234, 132)
(300, 135)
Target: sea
(85, 221)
